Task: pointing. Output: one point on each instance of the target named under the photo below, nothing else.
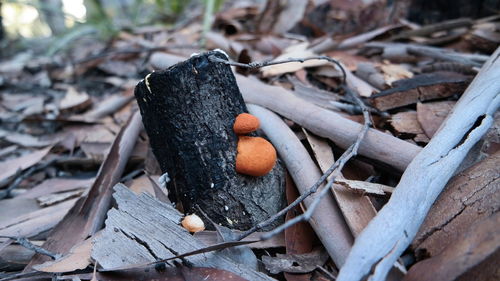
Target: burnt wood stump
(188, 111)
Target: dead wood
(188, 111)
(473, 255)
(432, 28)
(321, 122)
(420, 88)
(209, 238)
(392, 230)
(143, 229)
(442, 54)
(329, 44)
(470, 196)
(328, 124)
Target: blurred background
(55, 19)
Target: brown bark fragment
(420, 88)
(469, 196)
(430, 115)
(473, 255)
(407, 126)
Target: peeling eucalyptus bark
(188, 111)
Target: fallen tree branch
(254, 65)
(432, 52)
(432, 28)
(392, 230)
(328, 124)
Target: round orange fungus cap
(245, 123)
(256, 156)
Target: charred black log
(188, 111)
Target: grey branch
(391, 231)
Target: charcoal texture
(188, 111)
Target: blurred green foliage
(103, 18)
(107, 16)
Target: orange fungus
(245, 123)
(256, 156)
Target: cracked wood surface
(422, 87)
(386, 237)
(144, 230)
(473, 255)
(470, 196)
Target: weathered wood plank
(143, 230)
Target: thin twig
(257, 64)
(30, 246)
(326, 273)
(22, 176)
(127, 51)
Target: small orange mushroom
(256, 156)
(245, 123)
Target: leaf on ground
(88, 214)
(357, 209)
(56, 185)
(365, 187)
(291, 14)
(29, 140)
(300, 237)
(430, 115)
(295, 263)
(34, 223)
(394, 72)
(16, 207)
(78, 257)
(51, 199)
(407, 126)
(10, 167)
(296, 51)
(75, 100)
